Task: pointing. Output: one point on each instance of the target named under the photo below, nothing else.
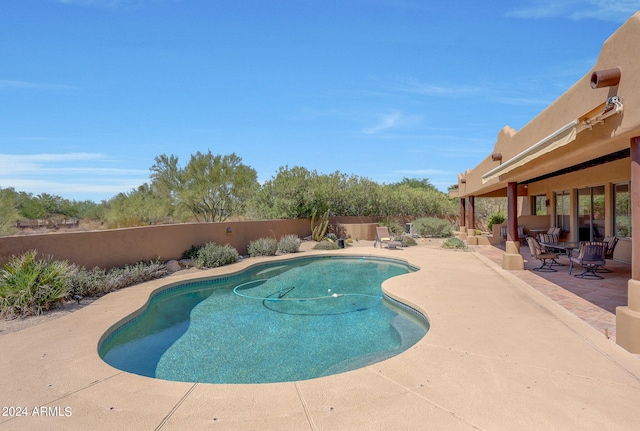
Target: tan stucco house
(576, 166)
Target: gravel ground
(16, 324)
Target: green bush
(407, 241)
(31, 286)
(263, 247)
(192, 252)
(393, 226)
(496, 218)
(289, 244)
(213, 255)
(434, 227)
(326, 245)
(454, 243)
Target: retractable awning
(557, 139)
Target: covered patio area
(593, 301)
(575, 167)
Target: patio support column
(472, 239)
(512, 259)
(462, 230)
(628, 318)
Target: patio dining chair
(503, 234)
(590, 257)
(610, 245)
(548, 259)
(549, 238)
(521, 235)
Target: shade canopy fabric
(557, 139)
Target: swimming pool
(292, 320)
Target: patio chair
(554, 231)
(503, 234)
(610, 245)
(543, 255)
(549, 238)
(590, 257)
(521, 235)
(384, 237)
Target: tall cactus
(318, 232)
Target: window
(622, 210)
(591, 213)
(539, 205)
(563, 210)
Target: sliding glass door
(591, 213)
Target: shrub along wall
(119, 247)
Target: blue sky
(91, 91)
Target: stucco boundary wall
(119, 247)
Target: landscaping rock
(173, 266)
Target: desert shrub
(435, 227)
(454, 243)
(496, 218)
(263, 247)
(192, 252)
(29, 285)
(394, 226)
(332, 236)
(92, 282)
(289, 244)
(407, 241)
(213, 255)
(326, 245)
(98, 282)
(117, 278)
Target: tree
(211, 187)
(8, 211)
(286, 194)
(415, 183)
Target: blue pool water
(288, 321)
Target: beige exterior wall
(118, 247)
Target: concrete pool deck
(499, 356)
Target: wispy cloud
(392, 120)
(33, 163)
(8, 84)
(386, 122)
(110, 3)
(605, 10)
(71, 188)
(68, 174)
(422, 172)
(436, 89)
